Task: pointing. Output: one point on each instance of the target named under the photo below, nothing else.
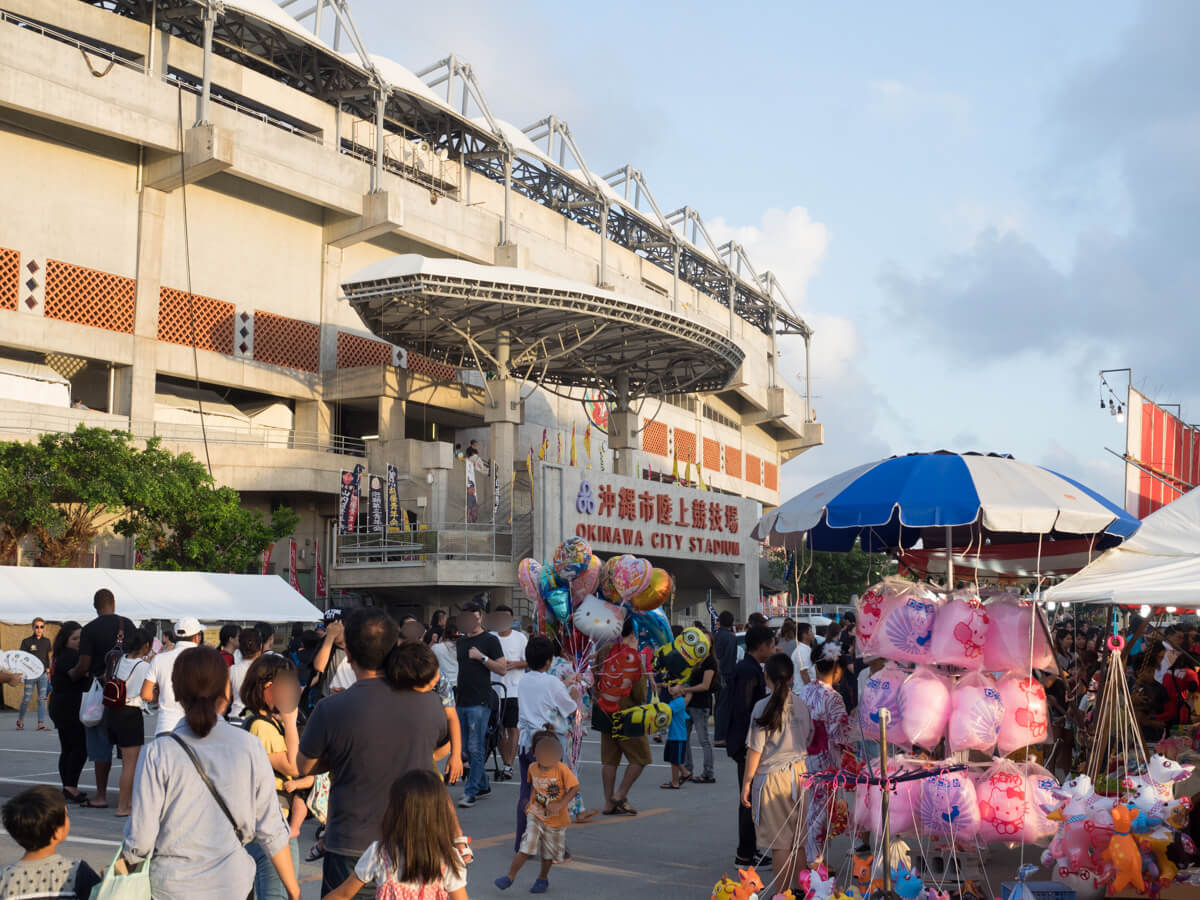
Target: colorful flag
(675, 468)
(587, 443)
(544, 447)
(687, 473)
(292, 579)
(395, 516)
(529, 469)
(266, 557)
(574, 458)
(321, 591)
(348, 500)
(376, 509)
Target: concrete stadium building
(246, 233)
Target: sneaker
(507, 773)
(485, 792)
(540, 886)
(743, 861)
(466, 802)
(503, 882)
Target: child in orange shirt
(554, 786)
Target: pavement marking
(499, 840)
(71, 839)
(19, 750)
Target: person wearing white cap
(157, 686)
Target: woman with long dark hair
(65, 696)
(196, 843)
(776, 749)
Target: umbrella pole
(949, 560)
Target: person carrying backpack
(123, 711)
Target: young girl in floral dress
(831, 737)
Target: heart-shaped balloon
(656, 593)
(586, 581)
(571, 558)
(631, 575)
(528, 572)
(558, 602)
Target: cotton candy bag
(959, 631)
(948, 807)
(1041, 784)
(976, 711)
(1025, 713)
(1010, 629)
(1005, 806)
(905, 627)
(925, 706)
(868, 803)
(882, 691)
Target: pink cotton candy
(1006, 645)
(882, 691)
(905, 627)
(976, 712)
(959, 632)
(1042, 785)
(925, 707)
(868, 804)
(1025, 713)
(948, 807)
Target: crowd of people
(365, 723)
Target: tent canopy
(59, 595)
(1158, 566)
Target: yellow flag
(529, 469)
(574, 458)
(558, 438)
(587, 443)
(700, 475)
(687, 472)
(675, 467)
(544, 447)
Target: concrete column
(391, 418)
(622, 431)
(331, 289)
(134, 395)
(314, 417)
(503, 413)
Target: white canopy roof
(1158, 566)
(62, 594)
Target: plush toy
(907, 884)
(748, 886)
(934, 894)
(1123, 853)
(724, 889)
(817, 883)
(862, 876)
(674, 662)
(641, 721)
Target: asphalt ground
(675, 849)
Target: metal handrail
(417, 547)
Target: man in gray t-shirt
(366, 737)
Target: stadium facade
(249, 235)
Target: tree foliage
(832, 577)
(64, 490)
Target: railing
(415, 548)
(24, 421)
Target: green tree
(832, 577)
(65, 489)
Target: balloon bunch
(583, 599)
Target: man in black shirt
(98, 637)
(479, 657)
(725, 650)
(747, 687)
(39, 645)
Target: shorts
(510, 712)
(779, 807)
(99, 744)
(635, 750)
(675, 752)
(126, 726)
(543, 842)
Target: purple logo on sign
(585, 502)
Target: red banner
(1163, 456)
(266, 558)
(321, 592)
(292, 579)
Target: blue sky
(976, 206)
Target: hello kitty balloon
(598, 619)
(1025, 713)
(959, 632)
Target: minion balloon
(673, 663)
(640, 721)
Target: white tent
(58, 595)
(1158, 566)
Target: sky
(975, 206)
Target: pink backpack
(394, 890)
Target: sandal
(42, 727)
(88, 804)
(620, 808)
(704, 779)
(671, 787)
(20, 725)
(315, 853)
(78, 797)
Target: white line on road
(71, 839)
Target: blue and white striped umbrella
(888, 503)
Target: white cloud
(893, 99)
(786, 242)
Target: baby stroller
(491, 746)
